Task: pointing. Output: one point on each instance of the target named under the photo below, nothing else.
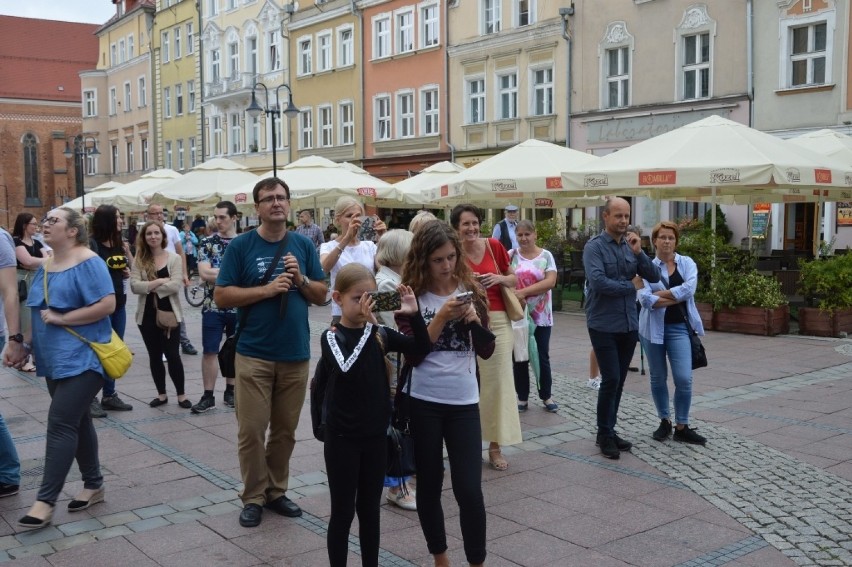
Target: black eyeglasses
(50, 220)
(273, 199)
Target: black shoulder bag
(699, 355)
(228, 351)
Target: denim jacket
(652, 319)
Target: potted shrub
(826, 284)
(747, 302)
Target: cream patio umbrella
(204, 184)
(79, 203)
(127, 197)
(528, 174)
(317, 181)
(430, 178)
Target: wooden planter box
(707, 315)
(816, 322)
(753, 320)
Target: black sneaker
(115, 403)
(609, 449)
(663, 431)
(228, 398)
(204, 404)
(8, 489)
(187, 348)
(96, 410)
(687, 435)
(622, 444)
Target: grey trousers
(70, 434)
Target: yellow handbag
(115, 356)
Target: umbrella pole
(713, 226)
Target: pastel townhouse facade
(243, 42)
(176, 85)
(802, 84)
(117, 97)
(326, 77)
(640, 68)
(405, 96)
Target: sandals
(39, 516)
(87, 497)
(496, 459)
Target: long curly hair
(144, 255)
(416, 272)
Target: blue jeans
(545, 377)
(677, 346)
(118, 322)
(10, 465)
(614, 352)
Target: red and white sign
(553, 182)
(367, 191)
(657, 177)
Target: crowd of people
(450, 334)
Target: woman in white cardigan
(156, 278)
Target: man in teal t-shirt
(273, 350)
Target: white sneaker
(404, 501)
(594, 383)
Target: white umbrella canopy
(204, 184)
(430, 178)
(317, 181)
(713, 156)
(826, 142)
(78, 203)
(127, 197)
(528, 174)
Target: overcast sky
(87, 11)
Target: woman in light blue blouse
(664, 332)
(79, 295)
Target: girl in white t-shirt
(443, 395)
(346, 248)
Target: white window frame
(165, 47)
(144, 152)
(306, 128)
(215, 65)
(616, 37)
(179, 99)
(169, 162)
(429, 25)
(190, 96)
(167, 102)
(181, 163)
(128, 154)
(382, 127)
(475, 97)
(696, 22)
(506, 95)
(346, 115)
(517, 14)
(828, 17)
(142, 91)
(382, 35)
(405, 114)
(122, 51)
(216, 145)
(252, 133)
(131, 48)
(325, 122)
(91, 163)
(345, 46)
(193, 153)
(113, 55)
(304, 55)
(128, 99)
(235, 133)
(404, 30)
(212, 8)
(430, 116)
(190, 38)
(490, 16)
(273, 51)
(233, 59)
(252, 60)
(324, 51)
(541, 91)
(90, 103)
(114, 153)
(178, 46)
(113, 102)
(695, 68)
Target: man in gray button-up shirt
(615, 265)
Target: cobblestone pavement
(772, 487)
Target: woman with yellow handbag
(81, 297)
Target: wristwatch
(305, 282)
(19, 338)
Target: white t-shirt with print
(448, 374)
(364, 253)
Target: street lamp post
(254, 109)
(78, 152)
